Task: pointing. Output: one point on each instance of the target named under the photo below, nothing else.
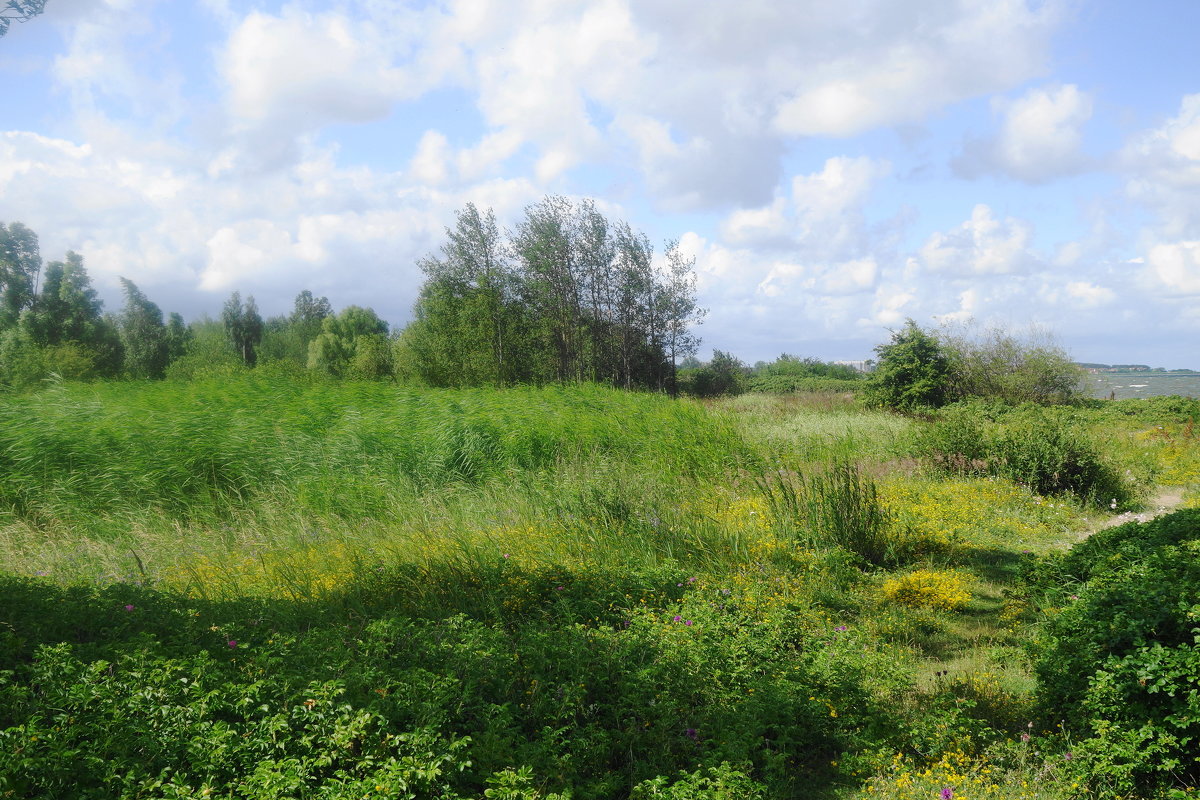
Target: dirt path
(1167, 500)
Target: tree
(143, 334)
(19, 10)
(913, 372)
(342, 338)
(179, 337)
(724, 375)
(679, 309)
(466, 303)
(243, 326)
(20, 265)
(569, 296)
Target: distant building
(861, 366)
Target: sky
(835, 167)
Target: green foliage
(838, 508)
(722, 782)
(1042, 449)
(143, 334)
(1014, 368)
(912, 372)
(212, 445)
(788, 374)
(20, 263)
(570, 296)
(1121, 658)
(209, 354)
(351, 344)
(243, 326)
(725, 374)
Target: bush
(1014, 368)
(1037, 448)
(1121, 659)
(912, 372)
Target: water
(1142, 384)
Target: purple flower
(558, 588)
(691, 734)
(506, 555)
(129, 608)
(947, 792)
(232, 643)
(677, 618)
(688, 622)
(840, 628)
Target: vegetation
(281, 572)
(913, 372)
(920, 370)
(257, 585)
(568, 295)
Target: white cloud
(1089, 295)
(1176, 267)
(1040, 137)
(1164, 169)
(897, 70)
(308, 70)
(983, 245)
(823, 215)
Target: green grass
(437, 593)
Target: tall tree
(20, 264)
(20, 11)
(67, 308)
(179, 337)
(679, 310)
(243, 326)
(545, 242)
(474, 276)
(571, 296)
(143, 334)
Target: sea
(1125, 385)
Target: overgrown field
(274, 588)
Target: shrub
(1016, 368)
(1122, 660)
(912, 372)
(1037, 448)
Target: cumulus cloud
(1040, 137)
(983, 245)
(1176, 267)
(1164, 168)
(707, 101)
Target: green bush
(124, 691)
(912, 372)
(1121, 662)
(1038, 448)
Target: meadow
(265, 587)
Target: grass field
(263, 588)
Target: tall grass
(207, 449)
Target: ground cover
(266, 588)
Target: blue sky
(834, 166)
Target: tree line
(567, 296)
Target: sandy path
(1167, 500)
